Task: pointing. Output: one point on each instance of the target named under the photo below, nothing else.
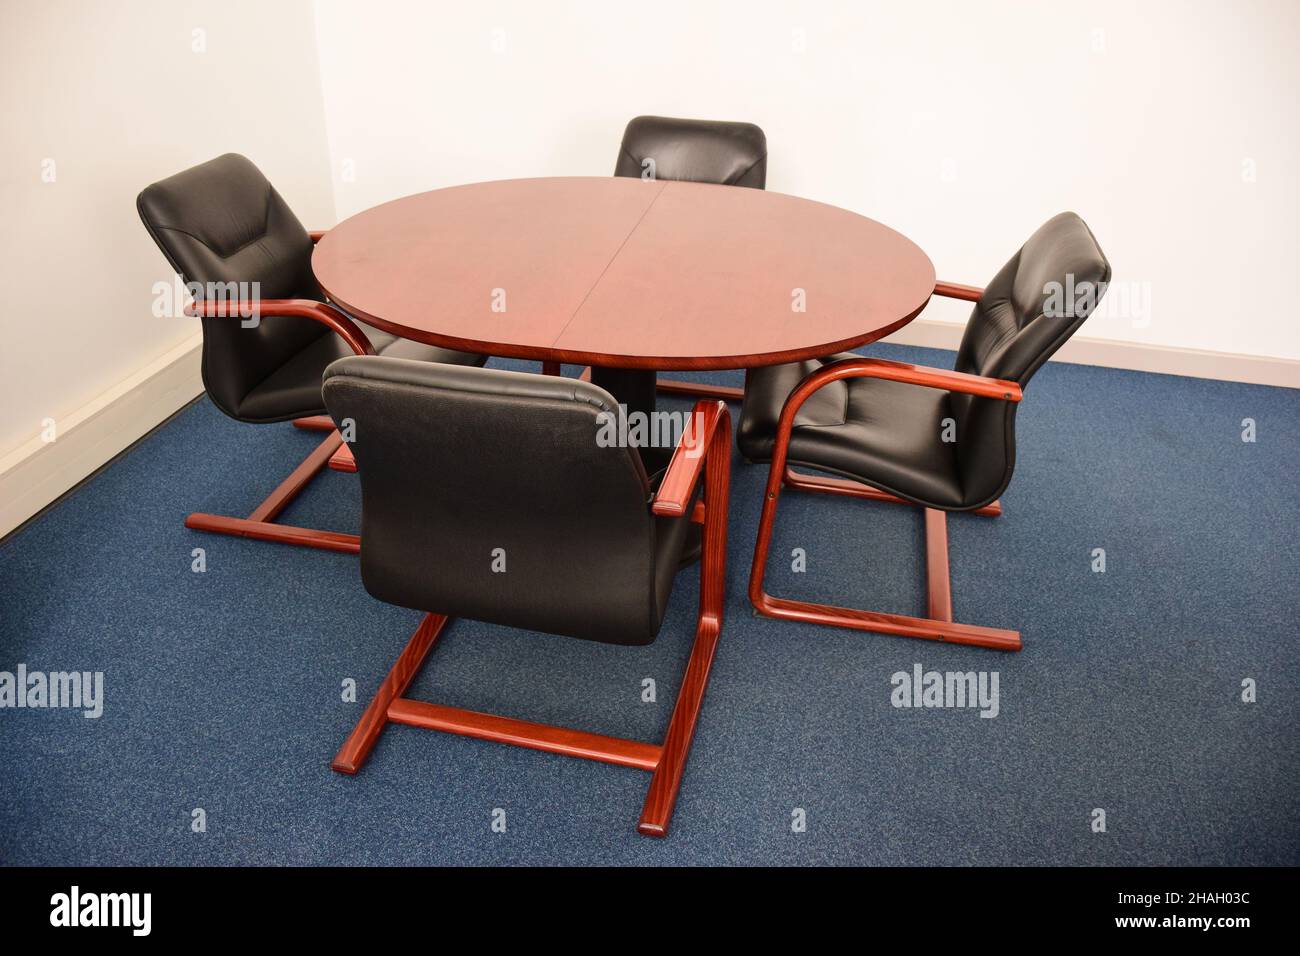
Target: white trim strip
(37, 472)
(1135, 356)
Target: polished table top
(624, 273)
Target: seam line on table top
(560, 334)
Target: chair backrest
(486, 494)
(1032, 306)
(698, 151)
(222, 222)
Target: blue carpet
(223, 688)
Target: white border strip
(1134, 356)
(36, 472)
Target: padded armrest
(952, 290)
(912, 375)
(320, 312)
(683, 473)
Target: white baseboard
(1112, 353)
(37, 472)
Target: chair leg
(670, 387)
(938, 579)
(700, 390)
(343, 460)
(261, 524)
(315, 423)
(662, 795)
(554, 368)
(661, 798)
(939, 626)
(666, 762)
(366, 733)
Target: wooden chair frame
(939, 625)
(261, 524)
(709, 432)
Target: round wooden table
(625, 275)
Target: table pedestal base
(634, 389)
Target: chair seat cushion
(294, 389)
(885, 434)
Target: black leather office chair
(942, 440)
(695, 151)
(576, 543)
(222, 226)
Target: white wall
(963, 124)
(116, 96)
(1168, 124)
